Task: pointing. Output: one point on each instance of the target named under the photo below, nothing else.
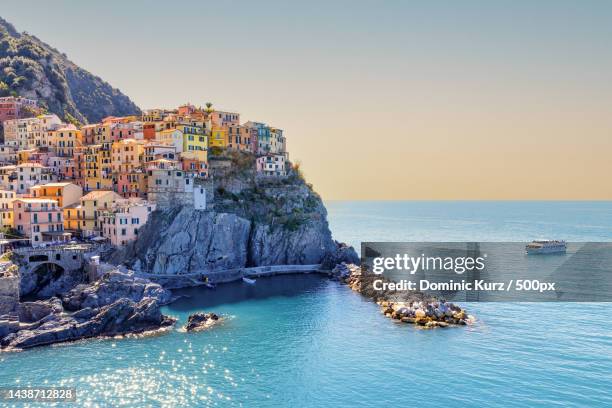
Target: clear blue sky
(394, 99)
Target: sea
(306, 341)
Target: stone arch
(46, 272)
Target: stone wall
(9, 293)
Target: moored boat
(546, 247)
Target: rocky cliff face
(33, 69)
(255, 222)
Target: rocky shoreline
(408, 307)
(117, 304)
(120, 303)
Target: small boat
(546, 247)
(210, 285)
(249, 281)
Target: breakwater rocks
(201, 321)
(405, 306)
(117, 304)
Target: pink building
(14, 107)
(121, 224)
(131, 184)
(223, 119)
(127, 155)
(122, 131)
(39, 219)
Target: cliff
(34, 69)
(255, 222)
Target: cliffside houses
(59, 181)
(12, 107)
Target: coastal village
(60, 182)
(73, 199)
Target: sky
(480, 100)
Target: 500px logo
(412, 264)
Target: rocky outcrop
(111, 287)
(201, 321)
(255, 222)
(183, 240)
(118, 303)
(120, 317)
(405, 306)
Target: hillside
(33, 69)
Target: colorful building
(14, 107)
(127, 155)
(277, 141)
(218, 137)
(64, 141)
(272, 165)
(8, 154)
(97, 133)
(262, 136)
(131, 184)
(6, 208)
(30, 174)
(92, 206)
(123, 221)
(194, 140)
(40, 220)
(171, 137)
(64, 193)
(222, 119)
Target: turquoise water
(305, 341)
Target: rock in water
(121, 317)
(201, 321)
(118, 303)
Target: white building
(8, 154)
(29, 175)
(122, 223)
(272, 165)
(173, 186)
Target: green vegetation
(33, 69)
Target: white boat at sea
(546, 247)
(249, 281)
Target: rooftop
(64, 184)
(94, 195)
(36, 200)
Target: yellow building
(6, 208)
(98, 133)
(73, 217)
(63, 141)
(92, 206)
(92, 169)
(23, 156)
(218, 138)
(195, 140)
(64, 193)
(127, 155)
